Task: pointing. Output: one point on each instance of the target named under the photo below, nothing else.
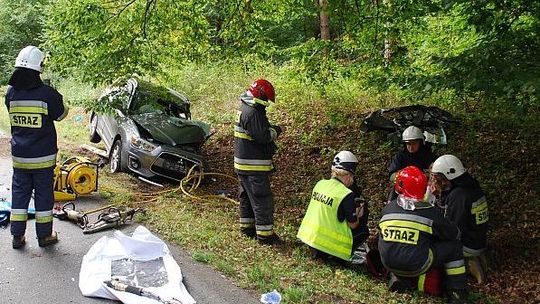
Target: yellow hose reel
(76, 176)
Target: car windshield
(154, 99)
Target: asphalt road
(51, 275)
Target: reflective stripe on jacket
(253, 141)
(320, 227)
(33, 135)
(406, 237)
(467, 207)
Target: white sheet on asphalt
(141, 260)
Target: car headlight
(142, 144)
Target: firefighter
(416, 153)
(254, 146)
(32, 106)
(414, 237)
(334, 223)
(463, 201)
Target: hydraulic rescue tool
(68, 213)
(112, 218)
(140, 291)
(76, 176)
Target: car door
(118, 100)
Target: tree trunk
(325, 20)
(388, 39)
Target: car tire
(94, 136)
(117, 161)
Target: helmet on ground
(31, 58)
(411, 182)
(262, 89)
(345, 160)
(412, 133)
(449, 166)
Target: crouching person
(415, 238)
(465, 205)
(334, 224)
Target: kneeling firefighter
(333, 223)
(415, 237)
(33, 107)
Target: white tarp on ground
(142, 259)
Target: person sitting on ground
(334, 223)
(415, 237)
(463, 202)
(416, 153)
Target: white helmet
(31, 58)
(412, 133)
(449, 166)
(345, 160)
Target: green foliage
(102, 41)
(480, 52)
(20, 25)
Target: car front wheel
(94, 136)
(116, 160)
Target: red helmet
(411, 182)
(262, 89)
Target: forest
(331, 62)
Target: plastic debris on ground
(142, 260)
(272, 297)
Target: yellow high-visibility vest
(320, 227)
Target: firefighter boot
(272, 239)
(476, 269)
(48, 240)
(395, 284)
(18, 241)
(457, 296)
(249, 232)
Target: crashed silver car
(148, 130)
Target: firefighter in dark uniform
(334, 223)
(416, 153)
(464, 204)
(32, 106)
(414, 237)
(253, 150)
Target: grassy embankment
(502, 152)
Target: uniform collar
(252, 101)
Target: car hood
(172, 130)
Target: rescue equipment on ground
(143, 292)
(141, 260)
(68, 213)
(112, 218)
(76, 176)
(195, 178)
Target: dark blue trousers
(39, 181)
(256, 204)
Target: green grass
(215, 240)
(318, 123)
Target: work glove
(277, 130)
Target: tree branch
(121, 10)
(150, 5)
